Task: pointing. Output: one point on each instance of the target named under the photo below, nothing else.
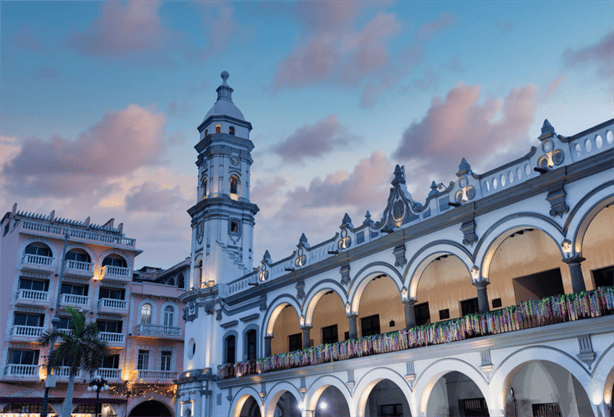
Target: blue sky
(100, 103)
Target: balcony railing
(156, 329)
(21, 370)
(39, 260)
(85, 267)
(112, 304)
(108, 373)
(32, 295)
(158, 375)
(112, 337)
(528, 314)
(62, 371)
(117, 271)
(81, 234)
(27, 331)
(76, 300)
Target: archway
(380, 308)
(286, 331)
(332, 403)
(250, 408)
(543, 388)
(444, 290)
(287, 406)
(455, 394)
(150, 408)
(597, 244)
(526, 264)
(386, 400)
(328, 321)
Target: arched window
(171, 281)
(234, 185)
(218, 128)
(115, 260)
(188, 412)
(231, 130)
(206, 132)
(230, 349)
(169, 315)
(78, 255)
(38, 249)
(199, 275)
(146, 314)
(203, 186)
(251, 344)
(181, 281)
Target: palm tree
(81, 348)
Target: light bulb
(323, 406)
(89, 388)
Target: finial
(267, 256)
(224, 76)
(347, 221)
(547, 130)
(463, 168)
(224, 91)
(303, 239)
(367, 218)
(434, 190)
(399, 176)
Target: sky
(100, 103)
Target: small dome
(224, 105)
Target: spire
(399, 176)
(367, 218)
(547, 130)
(463, 168)
(434, 190)
(303, 240)
(224, 92)
(267, 256)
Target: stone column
(306, 338)
(481, 284)
(353, 327)
(267, 346)
(410, 314)
(575, 269)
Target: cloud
(600, 55)
(265, 193)
(179, 109)
(332, 50)
(314, 140)
(552, 88)
(177, 138)
(460, 126)
(151, 198)
(426, 81)
(455, 65)
(117, 145)
(26, 40)
(132, 31)
(220, 28)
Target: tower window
(203, 186)
(218, 128)
(230, 349)
(234, 227)
(231, 130)
(206, 132)
(234, 183)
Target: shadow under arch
(276, 392)
(366, 384)
(421, 260)
(586, 220)
(240, 398)
(314, 294)
(501, 230)
(364, 277)
(426, 380)
(274, 309)
(318, 386)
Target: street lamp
(98, 385)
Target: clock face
(234, 160)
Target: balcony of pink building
(32, 297)
(157, 376)
(82, 302)
(85, 236)
(113, 339)
(112, 305)
(38, 263)
(28, 372)
(79, 268)
(116, 273)
(110, 374)
(159, 331)
(28, 333)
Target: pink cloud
(600, 55)
(264, 191)
(64, 167)
(131, 30)
(552, 88)
(151, 198)
(314, 140)
(426, 81)
(220, 27)
(460, 126)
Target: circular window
(609, 137)
(547, 146)
(191, 348)
(470, 192)
(598, 141)
(463, 182)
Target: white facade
(487, 242)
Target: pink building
(138, 313)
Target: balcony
(111, 305)
(87, 236)
(26, 331)
(156, 330)
(108, 373)
(113, 338)
(29, 297)
(79, 301)
(64, 372)
(157, 375)
(115, 272)
(38, 262)
(28, 371)
(79, 268)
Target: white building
(386, 310)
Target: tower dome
(224, 105)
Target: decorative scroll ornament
(398, 210)
(263, 275)
(301, 258)
(346, 241)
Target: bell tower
(223, 216)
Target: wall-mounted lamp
(566, 245)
